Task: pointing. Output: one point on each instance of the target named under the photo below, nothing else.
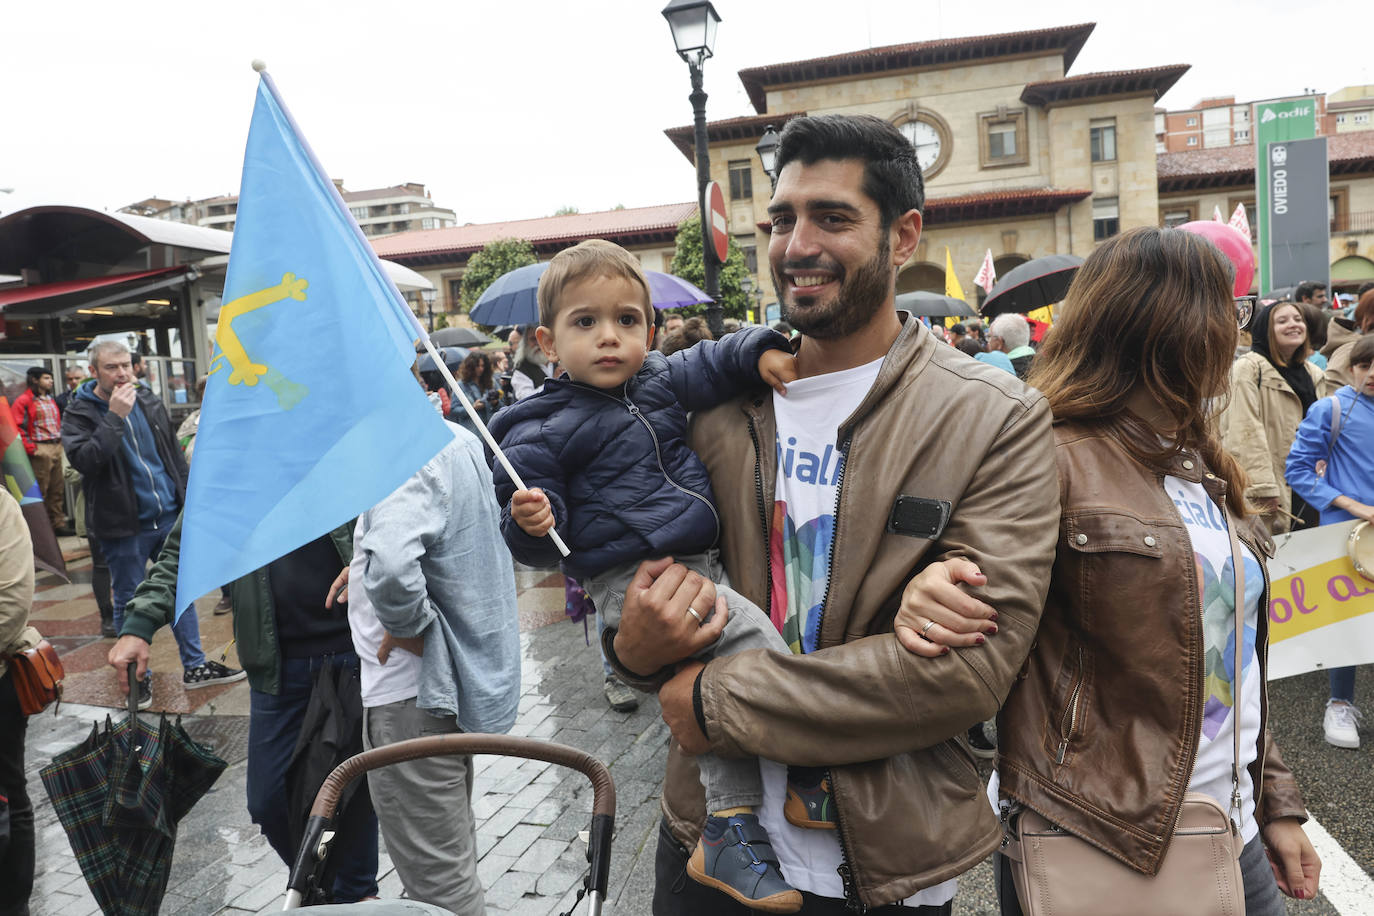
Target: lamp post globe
(768, 153)
(429, 295)
(693, 24)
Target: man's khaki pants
(47, 467)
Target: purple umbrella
(670, 292)
(510, 298)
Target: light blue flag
(311, 414)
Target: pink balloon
(1233, 244)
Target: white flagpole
(476, 419)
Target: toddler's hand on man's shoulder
(777, 368)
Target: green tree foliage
(688, 265)
(566, 210)
(485, 266)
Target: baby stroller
(304, 881)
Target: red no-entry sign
(720, 227)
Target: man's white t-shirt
(803, 528)
(1206, 525)
(399, 678)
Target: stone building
(1019, 157)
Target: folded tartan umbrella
(119, 795)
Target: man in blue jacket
(118, 435)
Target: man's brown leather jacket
(890, 725)
(1102, 728)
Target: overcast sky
(510, 109)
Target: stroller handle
(603, 789)
(310, 855)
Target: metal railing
(171, 378)
(1359, 221)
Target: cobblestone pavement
(529, 814)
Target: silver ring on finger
(925, 629)
(696, 616)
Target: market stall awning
(49, 300)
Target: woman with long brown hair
(1127, 701)
(1272, 387)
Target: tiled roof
(1231, 166)
(1003, 204)
(1157, 80)
(636, 225)
(1066, 39)
(747, 128)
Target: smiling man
(851, 516)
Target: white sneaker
(1341, 724)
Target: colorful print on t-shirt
(802, 527)
(1219, 636)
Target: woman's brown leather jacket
(1101, 729)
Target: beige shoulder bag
(1058, 873)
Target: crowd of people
(828, 592)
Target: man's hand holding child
(777, 368)
(531, 511)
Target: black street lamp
(768, 153)
(693, 23)
(429, 295)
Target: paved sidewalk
(529, 813)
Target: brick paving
(529, 814)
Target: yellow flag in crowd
(952, 287)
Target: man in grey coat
(433, 612)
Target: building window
(751, 253)
(1242, 135)
(1340, 119)
(427, 223)
(1002, 138)
(1192, 141)
(358, 212)
(741, 180)
(1192, 122)
(1174, 217)
(1106, 218)
(1102, 140)
(1361, 117)
(455, 294)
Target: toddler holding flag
(603, 452)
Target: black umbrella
(1032, 285)
(453, 358)
(119, 795)
(934, 305)
(331, 732)
(459, 337)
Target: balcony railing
(1359, 221)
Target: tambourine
(1361, 548)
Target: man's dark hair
(1364, 288)
(35, 373)
(135, 358)
(892, 177)
(958, 329)
(783, 328)
(1305, 290)
(970, 345)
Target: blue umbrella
(511, 297)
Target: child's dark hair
(1362, 354)
(892, 176)
(590, 258)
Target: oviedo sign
(1276, 122)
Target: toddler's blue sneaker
(735, 857)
